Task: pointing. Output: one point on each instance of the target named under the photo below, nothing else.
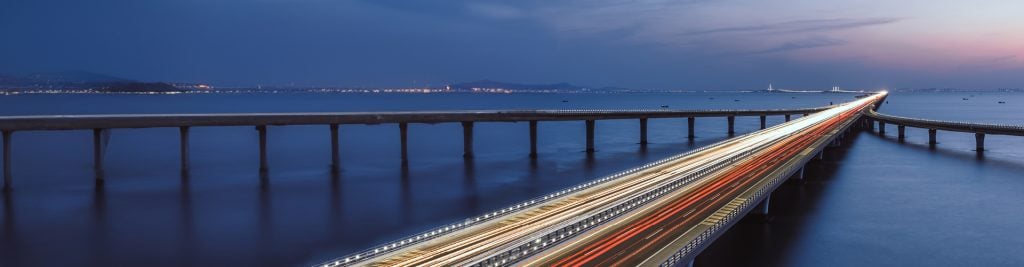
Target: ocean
(874, 201)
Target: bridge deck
(73, 122)
(582, 224)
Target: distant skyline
(691, 45)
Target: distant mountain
(75, 77)
(515, 86)
(59, 80)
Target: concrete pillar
(335, 150)
(184, 143)
(403, 128)
(821, 154)
(881, 127)
(732, 124)
(262, 129)
(980, 139)
(871, 124)
(467, 139)
(8, 183)
(689, 264)
(788, 117)
(800, 175)
(643, 131)
(97, 154)
(691, 123)
(901, 132)
(931, 136)
(590, 136)
(763, 121)
(762, 208)
(533, 139)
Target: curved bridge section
(979, 129)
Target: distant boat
(711, 98)
(1002, 102)
(565, 101)
(736, 100)
(664, 106)
(965, 98)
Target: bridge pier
(871, 124)
(403, 133)
(643, 131)
(97, 155)
(7, 160)
(184, 143)
(467, 139)
(335, 152)
(901, 132)
(690, 122)
(732, 124)
(931, 136)
(788, 117)
(881, 128)
(980, 139)
(763, 120)
(264, 167)
(533, 139)
(762, 208)
(590, 136)
(800, 174)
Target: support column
(590, 136)
(643, 131)
(881, 127)
(732, 124)
(262, 129)
(403, 128)
(871, 124)
(8, 183)
(788, 117)
(821, 154)
(762, 208)
(691, 123)
(335, 151)
(533, 139)
(931, 136)
(800, 175)
(980, 139)
(184, 143)
(467, 139)
(902, 132)
(97, 155)
(763, 121)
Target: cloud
(797, 26)
(802, 44)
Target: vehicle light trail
(623, 220)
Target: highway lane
(629, 241)
(477, 244)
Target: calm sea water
(874, 201)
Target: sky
(655, 44)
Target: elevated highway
(662, 213)
(979, 129)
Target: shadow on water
(964, 155)
(768, 244)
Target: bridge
(979, 129)
(101, 125)
(661, 213)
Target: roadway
(623, 220)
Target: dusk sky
(695, 45)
